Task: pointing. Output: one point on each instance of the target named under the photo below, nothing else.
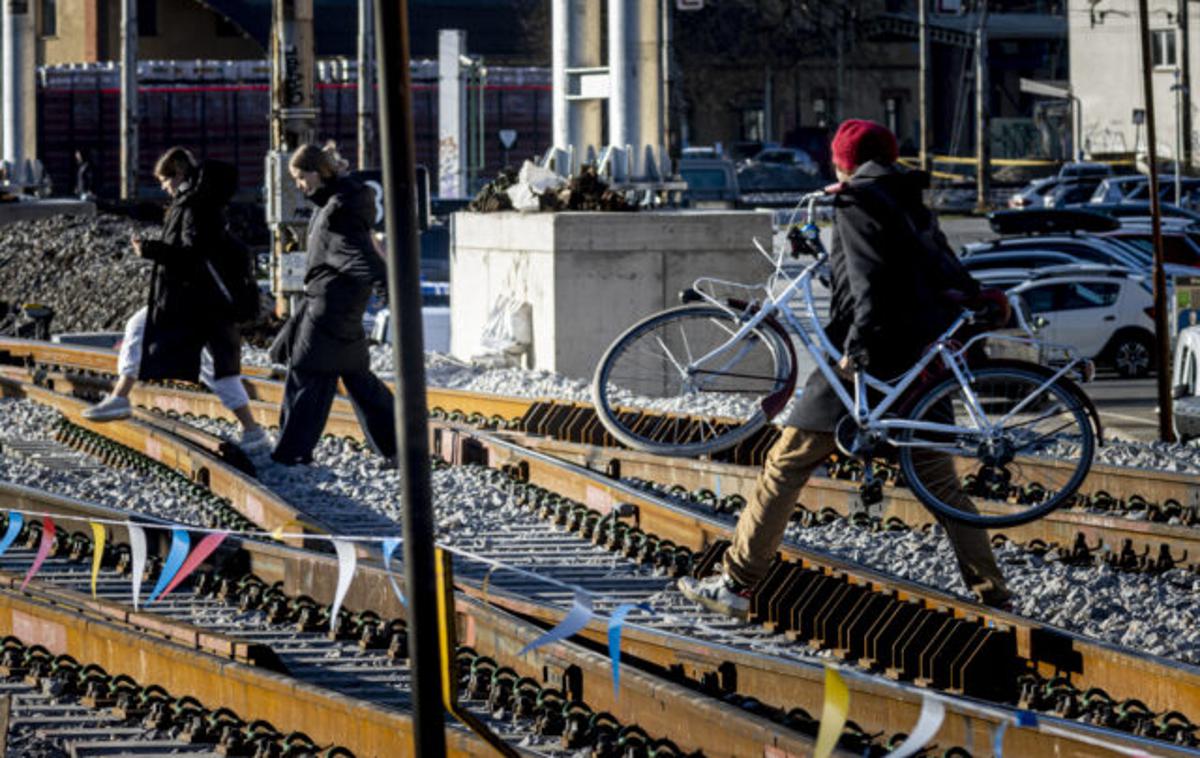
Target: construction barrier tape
(42, 551)
(347, 560)
(933, 712)
(833, 715)
(180, 544)
(615, 622)
(137, 552)
(576, 619)
(207, 545)
(15, 522)
(389, 546)
(98, 537)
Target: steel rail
(654, 515)
(657, 705)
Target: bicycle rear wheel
(1033, 461)
(653, 393)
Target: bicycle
(1018, 437)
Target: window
(147, 19)
(1040, 299)
(1080, 295)
(1162, 48)
(49, 18)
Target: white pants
(228, 389)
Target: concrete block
(588, 276)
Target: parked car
(1180, 246)
(1033, 195)
(1184, 385)
(1080, 169)
(1015, 259)
(1071, 192)
(1107, 316)
(788, 156)
(1189, 187)
(712, 182)
(1140, 208)
(1114, 189)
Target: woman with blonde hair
(188, 329)
(324, 340)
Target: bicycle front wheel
(678, 383)
(1006, 452)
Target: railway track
(776, 683)
(1134, 519)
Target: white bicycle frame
(823, 352)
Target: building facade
(1106, 75)
(870, 70)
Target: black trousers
(307, 400)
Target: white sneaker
(256, 442)
(112, 408)
(717, 594)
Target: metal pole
(397, 148)
(1166, 429)
(983, 119)
(925, 82)
(1186, 83)
(622, 92)
(129, 99)
(367, 157)
(839, 108)
(1178, 88)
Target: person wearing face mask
(324, 340)
(896, 286)
(187, 331)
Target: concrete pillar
(575, 43)
(622, 94)
(635, 74)
(452, 114)
(19, 90)
(129, 99)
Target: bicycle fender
(905, 404)
(774, 403)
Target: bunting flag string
(389, 546)
(137, 555)
(180, 544)
(576, 619)
(347, 560)
(15, 522)
(933, 712)
(98, 537)
(42, 551)
(833, 715)
(615, 623)
(206, 547)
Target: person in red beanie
(891, 271)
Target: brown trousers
(790, 463)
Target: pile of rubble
(83, 268)
(536, 189)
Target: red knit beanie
(858, 141)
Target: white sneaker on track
(717, 593)
(256, 442)
(112, 408)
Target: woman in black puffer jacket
(324, 340)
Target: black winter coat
(186, 310)
(889, 267)
(326, 334)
